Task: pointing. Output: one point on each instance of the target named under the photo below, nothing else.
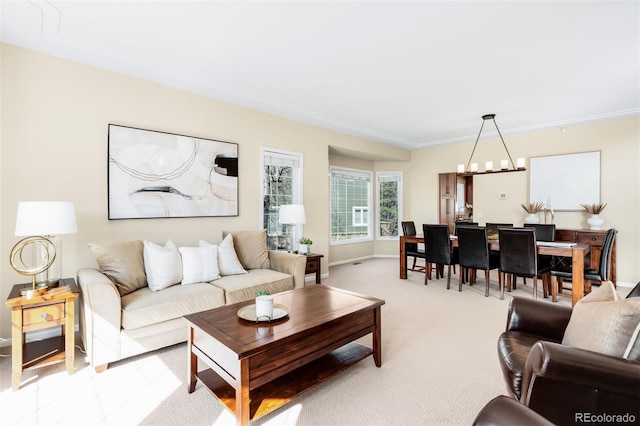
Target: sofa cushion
(145, 307)
(240, 288)
(228, 262)
(199, 264)
(162, 265)
(602, 322)
(123, 263)
(251, 247)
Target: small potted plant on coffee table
(304, 245)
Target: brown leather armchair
(559, 382)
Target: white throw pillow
(199, 264)
(227, 258)
(162, 265)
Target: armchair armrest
(100, 317)
(588, 382)
(503, 410)
(538, 318)
(289, 263)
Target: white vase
(264, 307)
(304, 249)
(595, 221)
(532, 218)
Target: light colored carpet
(439, 367)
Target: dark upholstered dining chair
(591, 276)
(412, 249)
(544, 232)
(518, 258)
(492, 228)
(474, 254)
(438, 248)
(455, 253)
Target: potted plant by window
(533, 209)
(594, 221)
(304, 245)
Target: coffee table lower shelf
(282, 390)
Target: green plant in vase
(304, 245)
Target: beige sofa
(121, 316)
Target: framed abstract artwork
(154, 174)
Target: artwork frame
(154, 174)
(564, 182)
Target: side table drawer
(312, 266)
(43, 314)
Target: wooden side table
(314, 266)
(52, 308)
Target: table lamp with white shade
(292, 215)
(42, 222)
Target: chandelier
(472, 168)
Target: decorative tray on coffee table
(248, 313)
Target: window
(389, 204)
(281, 184)
(350, 205)
(360, 216)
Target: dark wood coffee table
(256, 368)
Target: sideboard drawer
(591, 238)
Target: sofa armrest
(289, 263)
(100, 316)
(559, 381)
(538, 318)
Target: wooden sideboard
(594, 239)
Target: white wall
(55, 115)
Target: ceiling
(410, 74)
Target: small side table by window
(52, 308)
(314, 266)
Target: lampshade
(292, 214)
(45, 218)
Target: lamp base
(35, 290)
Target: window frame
(398, 178)
(360, 175)
(297, 184)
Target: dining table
(573, 250)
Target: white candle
(460, 168)
(504, 164)
(488, 166)
(520, 163)
(474, 167)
